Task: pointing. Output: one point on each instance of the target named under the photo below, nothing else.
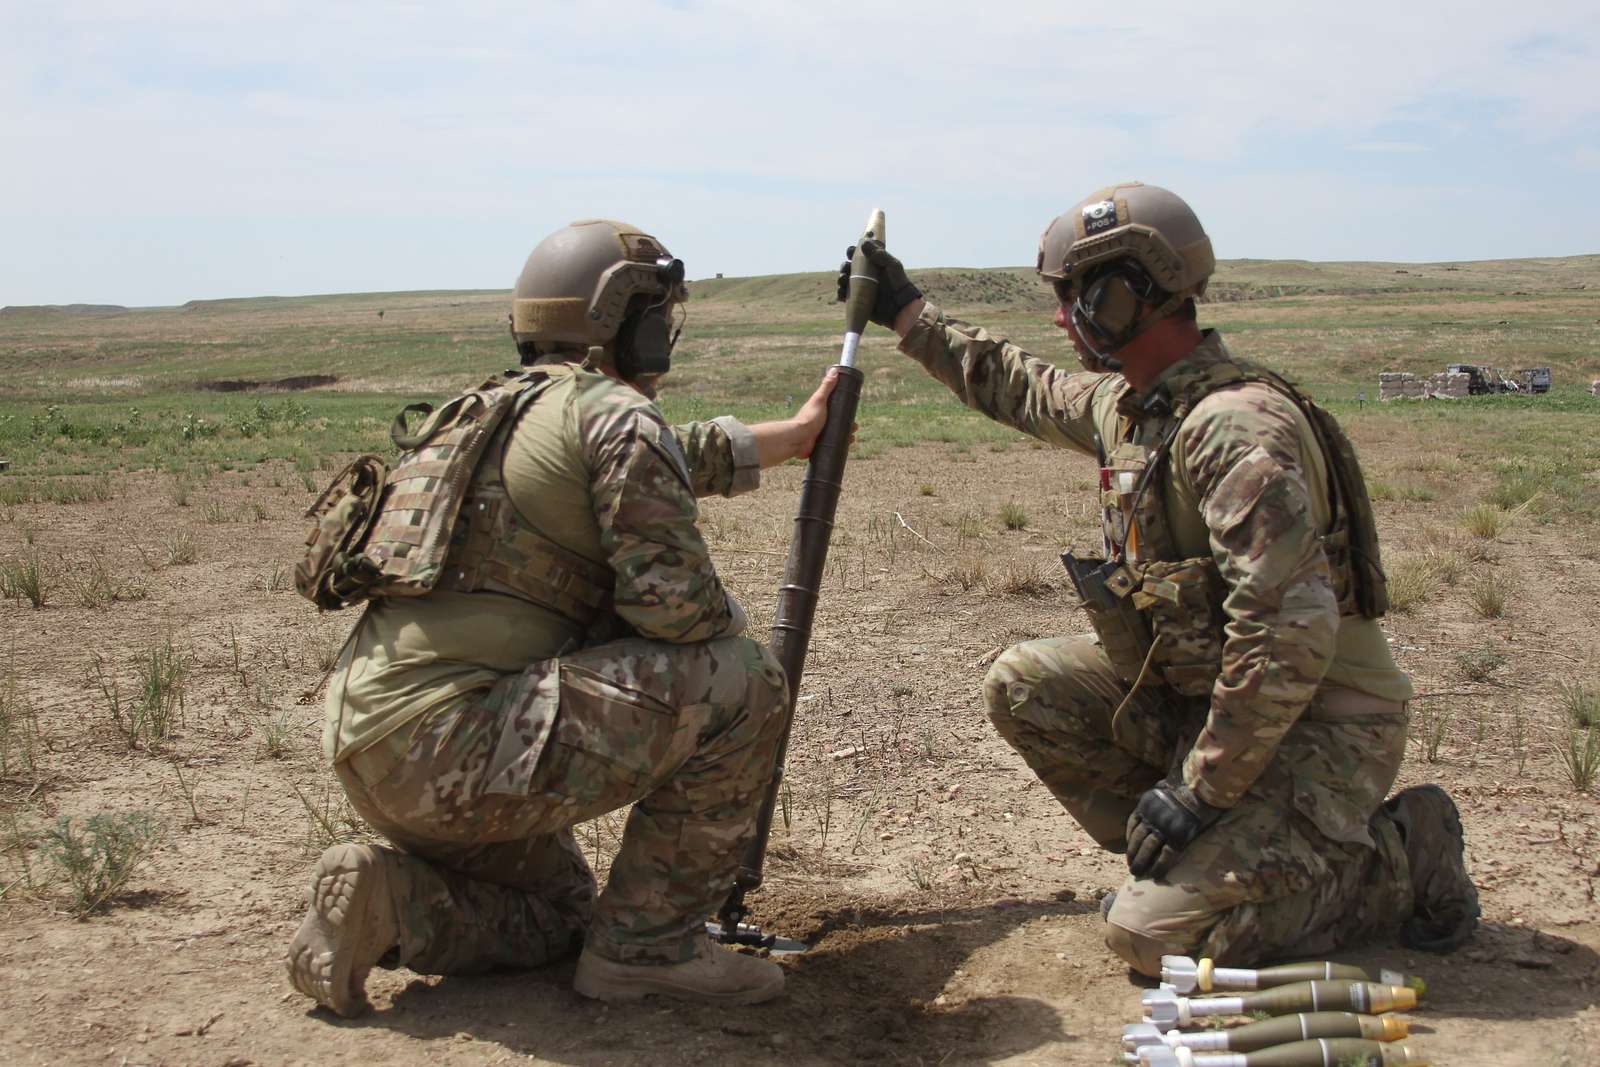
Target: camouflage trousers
(1303, 864)
(482, 800)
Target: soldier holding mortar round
(1237, 720)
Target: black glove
(1166, 821)
(895, 290)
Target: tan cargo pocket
(529, 714)
(1332, 812)
(602, 742)
(1183, 602)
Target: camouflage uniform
(1299, 734)
(475, 728)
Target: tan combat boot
(349, 925)
(1446, 902)
(716, 975)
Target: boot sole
(635, 987)
(322, 957)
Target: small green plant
(1581, 702)
(329, 819)
(1013, 516)
(921, 872)
(23, 578)
(1480, 664)
(20, 739)
(322, 650)
(158, 702)
(926, 489)
(1445, 562)
(1516, 489)
(99, 859)
(1430, 725)
(274, 581)
(218, 513)
(1484, 521)
(181, 549)
(1519, 738)
(258, 511)
(93, 585)
(163, 673)
(187, 788)
(1487, 594)
(182, 487)
(969, 527)
(1378, 489)
(19, 841)
(276, 735)
(1580, 756)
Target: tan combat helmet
(578, 290)
(1121, 259)
(1145, 223)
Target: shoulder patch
(665, 442)
(1252, 479)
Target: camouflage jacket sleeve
(994, 376)
(1242, 454)
(721, 455)
(665, 586)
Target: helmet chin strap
(1096, 359)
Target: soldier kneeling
(545, 641)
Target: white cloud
(974, 125)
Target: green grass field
(91, 391)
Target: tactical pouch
(333, 572)
(1182, 601)
(1104, 587)
(383, 531)
(416, 522)
(1371, 592)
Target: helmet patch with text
(1097, 217)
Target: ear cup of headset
(1110, 305)
(644, 344)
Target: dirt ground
(949, 902)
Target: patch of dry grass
(1487, 593)
(1485, 521)
(1413, 580)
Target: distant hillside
(1012, 287)
(1236, 279)
(424, 297)
(62, 309)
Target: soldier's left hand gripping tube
(802, 577)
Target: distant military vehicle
(1479, 379)
(1534, 379)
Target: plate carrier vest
(1164, 612)
(441, 517)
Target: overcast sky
(151, 154)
